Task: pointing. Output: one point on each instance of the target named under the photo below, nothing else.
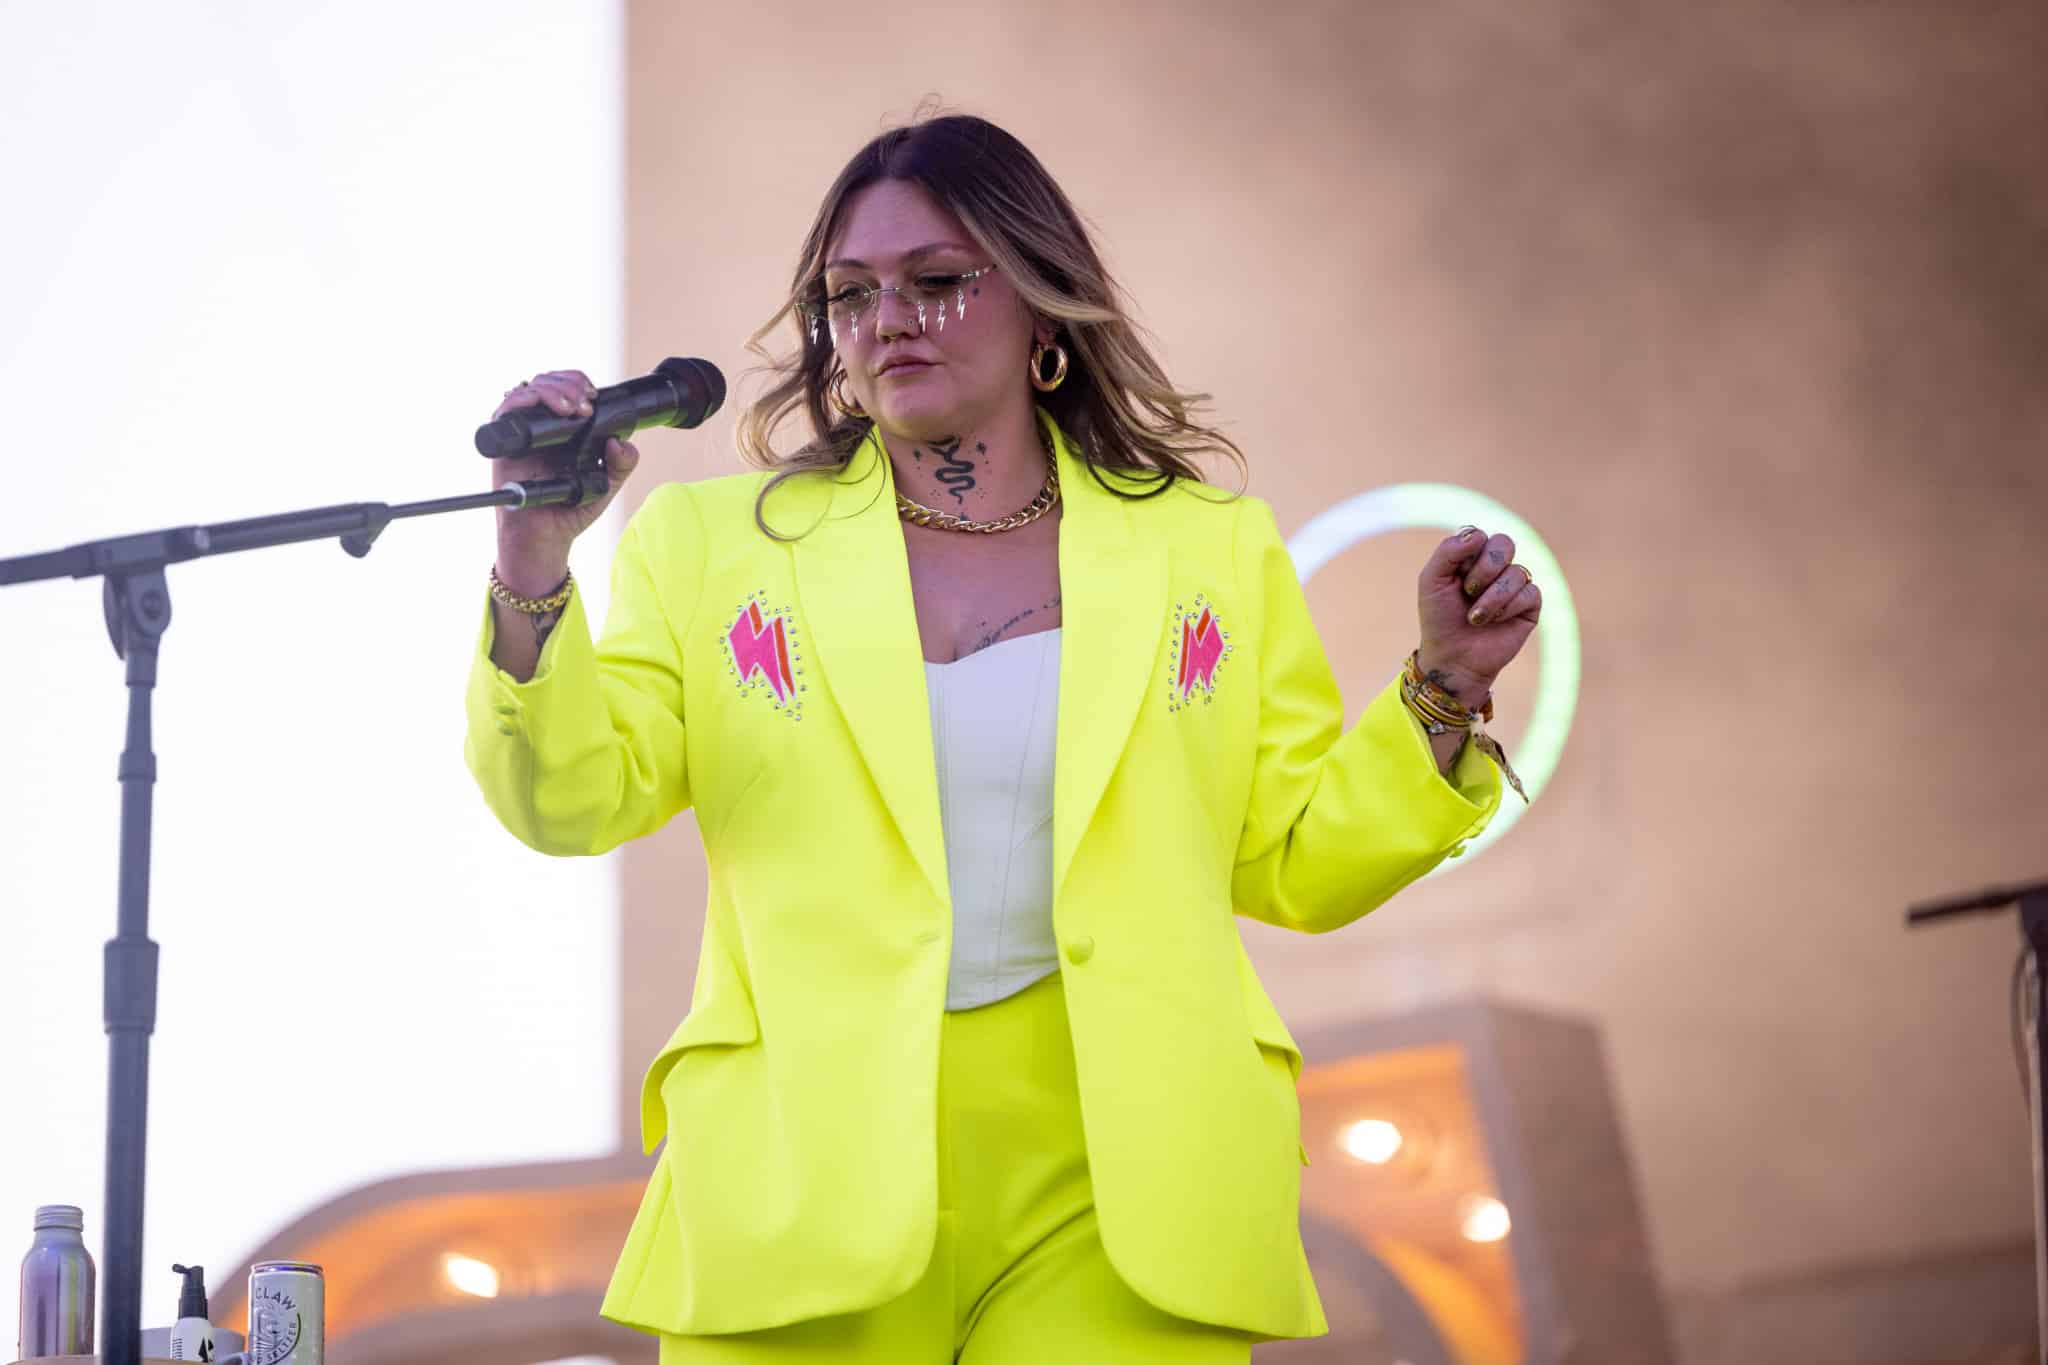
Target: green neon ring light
(1446, 507)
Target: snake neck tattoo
(956, 474)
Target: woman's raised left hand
(1477, 608)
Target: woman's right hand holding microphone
(533, 542)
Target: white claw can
(287, 1314)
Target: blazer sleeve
(588, 753)
(1337, 821)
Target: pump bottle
(192, 1335)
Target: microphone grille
(698, 383)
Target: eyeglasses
(931, 293)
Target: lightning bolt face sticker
(1200, 646)
(764, 653)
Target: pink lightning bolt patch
(760, 647)
(1201, 649)
(1197, 654)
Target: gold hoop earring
(835, 391)
(1059, 371)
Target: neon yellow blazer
(1201, 771)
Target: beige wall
(1744, 308)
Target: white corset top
(994, 717)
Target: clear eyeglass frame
(848, 304)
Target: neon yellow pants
(1018, 1272)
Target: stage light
(473, 1277)
(1484, 1219)
(1373, 1141)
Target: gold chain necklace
(917, 514)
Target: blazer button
(1080, 950)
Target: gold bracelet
(1441, 714)
(1429, 690)
(1434, 719)
(532, 606)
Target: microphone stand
(2032, 900)
(137, 601)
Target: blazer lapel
(1113, 608)
(854, 579)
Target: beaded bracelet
(1441, 713)
(532, 606)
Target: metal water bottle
(57, 1286)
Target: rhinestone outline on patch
(1181, 618)
(756, 679)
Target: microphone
(680, 393)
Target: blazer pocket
(718, 1022)
(1269, 1032)
(1267, 1028)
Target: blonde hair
(1116, 404)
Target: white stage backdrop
(262, 258)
